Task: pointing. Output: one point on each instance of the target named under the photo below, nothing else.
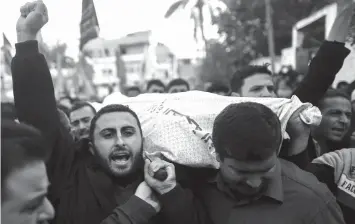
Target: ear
(218, 158)
(91, 148)
(235, 94)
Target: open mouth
(120, 157)
(338, 130)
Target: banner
(89, 25)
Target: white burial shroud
(178, 127)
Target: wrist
(25, 36)
(168, 189)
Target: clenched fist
(299, 133)
(34, 16)
(160, 186)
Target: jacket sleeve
(134, 211)
(36, 105)
(322, 71)
(181, 206)
(33, 91)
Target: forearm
(322, 71)
(33, 89)
(329, 59)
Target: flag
(6, 52)
(89, 25)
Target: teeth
(121, 157)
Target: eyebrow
(107, 129)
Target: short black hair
(65, 109)
(246, 132)
(110, 109)
(217, 87)
(238, 78)
(133, 88)
(342, 83)
(332, 93)
(81, 104)
(156, 82)
(177, 82)
(20, 145)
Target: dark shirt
(292, 196)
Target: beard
(122, 164)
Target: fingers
(37, 6)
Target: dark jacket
(320, 76)
(80, 190)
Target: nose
(82, 126)
(344, 119)
(119, 140)
(254, 182)
(47, 213)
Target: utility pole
(270, 28)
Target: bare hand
(162, 187)
(299, 133)
(145, 193)
(34, 16)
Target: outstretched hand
(34, 16)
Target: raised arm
(329, 58)
(34, 96)
(32, 83)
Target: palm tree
(216, 8)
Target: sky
(116, 18)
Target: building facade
(143, 57)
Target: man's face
(258, 85)
(133, 93)
(336, 119)
(178, 89)
(80, 121)
(245, 177)
(25, 200)
(118, 143)
(156, 89)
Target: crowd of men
(65, 162)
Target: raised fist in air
(34, 16)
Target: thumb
(146, 167)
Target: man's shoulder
(304, 185)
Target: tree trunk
(200, 23)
